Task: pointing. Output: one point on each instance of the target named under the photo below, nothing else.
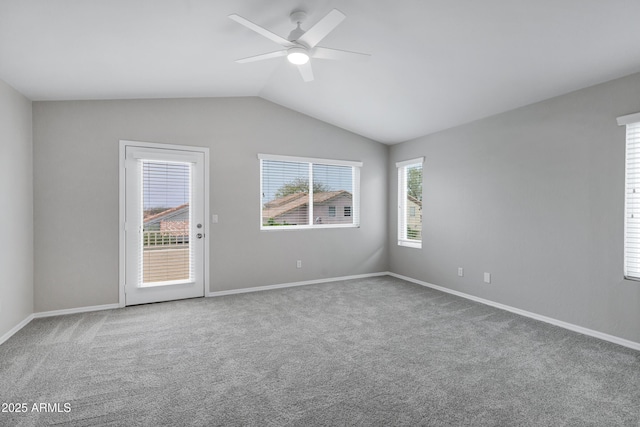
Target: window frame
(402, 205)
(632, 145)
(156, 147)
(355, 196)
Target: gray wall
(535, 197)
(16, 211)
(76, 193)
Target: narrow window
(632, 197)
(410, 203)
(347, 211)
(298, 193)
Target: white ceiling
(435, 63)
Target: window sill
(410, 244)
(307, 227)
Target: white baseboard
(16, 328)
(30, 317)
(292, 284)
(555, 322)
(75, 310)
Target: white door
(164, 223)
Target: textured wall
(534, 196)
(16, 211)
(76, 193)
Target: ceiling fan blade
(260, 30)
(323, 27)
(269, 55)
(326, 53)
(306, 72)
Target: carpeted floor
(376, 351)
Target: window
(298, 193)
(347, 211)
(632, 197)
(410, 203)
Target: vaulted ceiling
(435, 63)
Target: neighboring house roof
(414, 200)
(282, 205)
(166, 215)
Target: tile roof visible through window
(278, 207)
(166, 214)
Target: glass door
(164, 224)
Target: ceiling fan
(302, 45)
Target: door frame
(122, 212)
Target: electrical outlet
(487, 277)
(299, 263)
(460, 271)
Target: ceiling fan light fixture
(297, 56)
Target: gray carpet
(377, 351)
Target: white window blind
(166, 254)
(632, 202)
(308, 193)
(410, 202)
